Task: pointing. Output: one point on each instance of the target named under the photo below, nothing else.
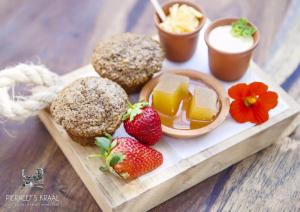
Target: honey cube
(169, 92)
(204, 104)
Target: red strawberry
(143, 123)
(127, 157)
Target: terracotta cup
(228, 66)
(179, 47)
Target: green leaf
(103, 168)
(115, 158)
(127, 114)
(241, 28)
(142, 104)
(113, 144)
(104, 144)
(107, 135)
(134, 110)
(134, 113)
(95, 156)
(124, 175)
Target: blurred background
(62, 34)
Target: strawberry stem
(130, 105)
(134, 110)
(95, 156)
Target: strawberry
(143, 123)
(126, 157)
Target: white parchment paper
(174, 149)
(183, 148)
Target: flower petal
(238, 91)
(240, 112)
(268, 100)
(260, 113)
(257, 88)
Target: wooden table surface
(62, 34)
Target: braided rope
(46, 86)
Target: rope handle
(45, 87)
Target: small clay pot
(179, 47)
(228, 66)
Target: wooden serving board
(113, 194)
(186, 161)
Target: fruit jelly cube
(204, 104)
(166, 97)
(176, 78)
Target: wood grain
(284, 58)
(267, 181)
(264, 182)
(113, 194)
(62, 34)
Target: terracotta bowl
(228, 66)
(179, 47)
(203, 78)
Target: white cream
(221, 39)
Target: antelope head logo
(36, 180)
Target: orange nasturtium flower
(251, 102)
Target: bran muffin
(128, 59)
(89, 107)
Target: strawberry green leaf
(134, 113)
(107, 135)
(115, 158)
(104, 144)
(103, 168)
(134, 110)
(142, 104)
(124, 175)
(127, 114)
(113, 144)
(95, 156)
